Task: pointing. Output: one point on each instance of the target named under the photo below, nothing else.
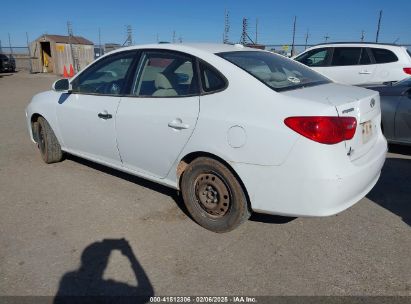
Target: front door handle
(365, 72)
(178, 124)
(104, 115)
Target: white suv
(359, 63)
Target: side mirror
(62, 85)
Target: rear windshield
(275, 71)
(409, 53)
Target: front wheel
(213, 195)
(49, 146)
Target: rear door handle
(104, 115)
(365, 72)
(178, 124)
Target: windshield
(275, 71)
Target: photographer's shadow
(88, 280)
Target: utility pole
(226, 26)
(70, 35)
(11, 49)
(174, 37)
(180, 39)
(244, 34)
(129, 35)
(326, 37)
(157, 38)
(28, 46)
(99, 42)
(293, 44)
(362, 35)
(378, 27)
(1, 50)
(307, 35)
(256, 31)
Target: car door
(403, 118)
(87, 116)
(350, 65)
(157, 119)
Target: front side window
(106, 77)
(346, 56)
(383, 55)
(164, 74)
(277, 72)
(314, 58)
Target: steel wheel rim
(212, 195)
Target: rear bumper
(313, 183)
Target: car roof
(213, 48)
(357, 44)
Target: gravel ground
(76, 227)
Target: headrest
(162, 82)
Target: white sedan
(235, 129)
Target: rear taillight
(323, 129)
(407, 71)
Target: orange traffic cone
(71, 71)
(65, 74)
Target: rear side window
(166, 74)
(211, 80)
(409, 53)
(314, 58)
(346, 56)
(383, 56)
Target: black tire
(213, 195)
(47, 142)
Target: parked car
(7, 63)
(396, 111)
(359, 63)
(235, 129)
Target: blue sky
(203, 21)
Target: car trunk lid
(349, 101)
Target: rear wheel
(213, 195)
(48, 144)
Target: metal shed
(51, 53)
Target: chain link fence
(20, 54)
